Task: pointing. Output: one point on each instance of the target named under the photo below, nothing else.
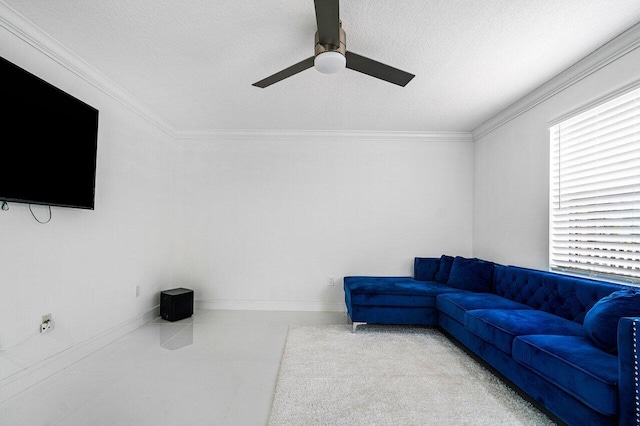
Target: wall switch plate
(136, 291)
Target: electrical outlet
(46, 325)
(331, 281)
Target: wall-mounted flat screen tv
(48, 145)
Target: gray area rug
(388, 375)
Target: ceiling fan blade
(328, 20)
(285, 73)
(377, 69)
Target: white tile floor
(216, 368)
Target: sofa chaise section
(399, 300)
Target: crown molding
(593, 104)
(315, 135)
(598, 59)
(31, 34)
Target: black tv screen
(48, 145)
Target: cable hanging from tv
(38, 220)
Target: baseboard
(271, 305)
(28, 377)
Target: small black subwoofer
(176, 304)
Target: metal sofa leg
(355, 325)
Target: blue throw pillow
(471, 274)
(601, 322)
(444, 268)
(425, 268)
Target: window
(595, 191)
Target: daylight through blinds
(595, 190)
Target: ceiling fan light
(330, 62)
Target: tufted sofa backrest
(562, 295)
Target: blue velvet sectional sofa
(570, 344)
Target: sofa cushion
(499, 327)
(471, 274)
(457, 304)
(393, 291)
(425, 268)
(601, 321)
(444, 268)
(575, 365)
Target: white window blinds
(595, 191)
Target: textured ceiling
(193, 62)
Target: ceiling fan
(331, 55)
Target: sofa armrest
(628, 358)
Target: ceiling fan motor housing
(330, 59)
(321, 48)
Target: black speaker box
(176, 304)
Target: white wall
(264, 222)
(511, 223)
(247, 222)
(83, 266)
(251, 222)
